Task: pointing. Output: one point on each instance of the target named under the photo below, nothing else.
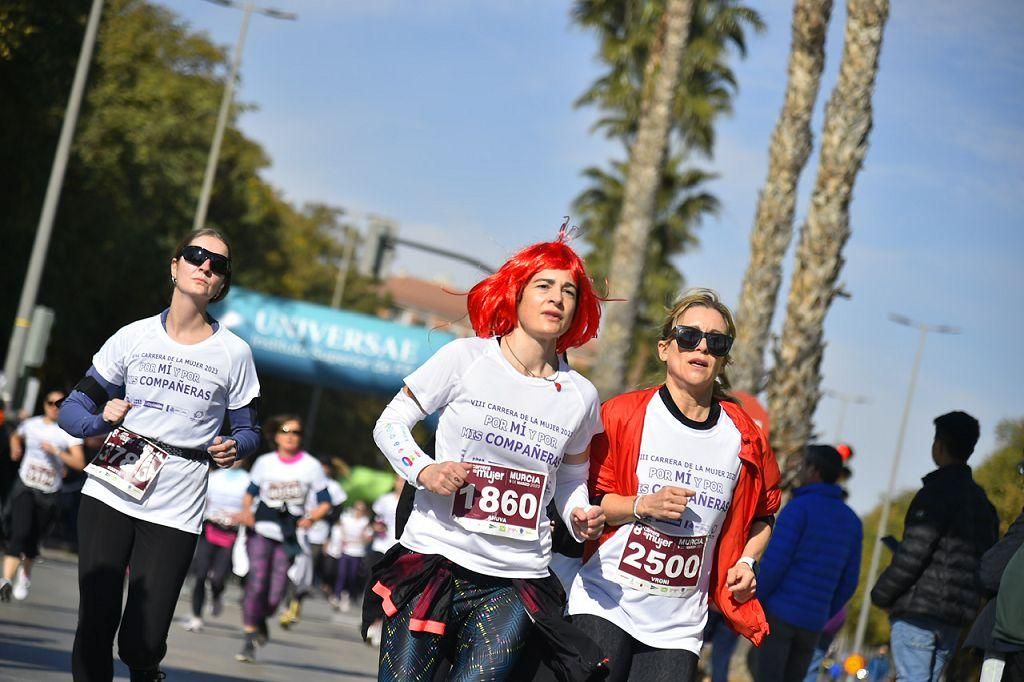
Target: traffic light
(378, 247)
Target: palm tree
(773, 225)
(795, 386)
(646, 159)
(680, 205)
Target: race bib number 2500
(502, 501)
(659, 563)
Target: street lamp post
(845, 399)
(225, 104)
(30, 288)
(883, 521)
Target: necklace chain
(551, 379)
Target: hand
(49, 448)
(246, 518)
(667, 504)
(741, 582)
(115, 410)
(305, 522)
(223, 452)
(444, 478)
(587, 523)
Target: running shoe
(290, 616)
(193, 624)
(373, 634)
(248, 652)
(22, 583)
(5, 589)
(262, 633)
(147, 675)
(218, 605)
(345, 603)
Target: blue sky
(455, 118)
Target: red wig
(493, 302)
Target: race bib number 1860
(502, 501)
(659, 563)
(128, 462)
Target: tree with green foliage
(136, 167)
(631, 35)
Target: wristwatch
(749, 561)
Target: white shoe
(193, 624)
(22, 583)
(373, 634)
(345, 603)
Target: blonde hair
(704, 298)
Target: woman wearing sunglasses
(470, 572)
(689, 487)
(281, 481)
(162, 388)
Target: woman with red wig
(470, 573)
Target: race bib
(128, 462)
(502, 501)
(661, 564)
(39, 476)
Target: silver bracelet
(636, 504)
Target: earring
(174, 280)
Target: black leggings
(632, 660)
(30, 514)
(211, 562)
(157, 560)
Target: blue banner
(320, 345)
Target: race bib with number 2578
(128, 462)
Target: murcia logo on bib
(501, 501)
(659, 563)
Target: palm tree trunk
(795, 386)
(645, 164)
(791, 146)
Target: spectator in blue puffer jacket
(810, 568)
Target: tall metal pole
(222, 120)
(225, 102)
(30, 288)
(883, 521)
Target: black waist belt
(184, 453)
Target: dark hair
(216, 234)
(826, 460)
(959, 432)
(273, 424)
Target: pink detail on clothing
(292, 459)
(219, 537)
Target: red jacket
(613, 459)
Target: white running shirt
(39, 469)
(385, 509)
(179, 395)
(224, 494)
(493, 414)
(675, 454)
(285, 485)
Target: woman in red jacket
(689, 488)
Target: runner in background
(384, 527)
(162, 388)
(45, 451)
(306, 571)
(347, 546)
(689, 488)
(220, 530)
(470, 573)
(281, 481)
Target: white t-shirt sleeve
(590, 425)
(245, 385)
(436, 382)
(109, 361)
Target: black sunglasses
(688, 338)
(197, 255)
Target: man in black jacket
(931, 588)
